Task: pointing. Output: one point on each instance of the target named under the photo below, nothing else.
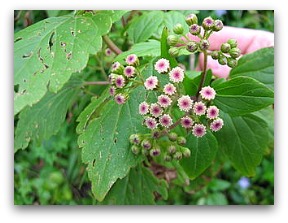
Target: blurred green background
(52, 172)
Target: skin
(248, 41)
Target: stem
(203, 75)
(97, 83)
(111, 45)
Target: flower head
(143, 108)
(212, 112)
(185, 103)
(165, 120)
(208, 93)
(199, 108)
(112, 90)
(216, 125)
(176, 75)
(244, 182)
(208, 23)
(116, 67)
(164, 101)
(151, 123)
(132, 59)
(187, 122)
(155, 110)
(151, 82)
(129, 71)
(169, 89)
(199, 130)
(194, 29)
(111, 78)
(119, 81)
(120, 99)
(162, 66)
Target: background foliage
(48, 167)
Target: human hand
(248, 41)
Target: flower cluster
(120, 76)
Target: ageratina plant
(198, 112)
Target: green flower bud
(225, 47)
(208, 23)
(204, 44)
(135, 139)
(195, 29)
(156, 134)
(167, 158)
(172, 136)
(186, 152)
(178, 29)
(191, 19)
(177, 156)
(172, 40)
(174, 51)
(232, 42)
(192, 46)
(218, 25)
(171, 149)
(222, 59)
(231, 62)
(215, 55)
(146, 144)
(235, 52)
(135, 149)
(181, 140)
(155, 151)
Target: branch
(97, 83)
(203, 75)
(111, 45)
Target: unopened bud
(172, 40)
(177, 156)
(135, 149)
(231, 62)
(172, 136)
(178, 29)
(174, 51)
(146, 144)
(181, 140)
(225, 47)
(195, 29)
(191, 19)
(167, 158)
(222, 59)
(171, 149)
(218, 25)
(215, 55)
(155, 151)
(204, 44)
(232, 42)
(235, 53)
(156, 134)
(186, 152)
(208, 23)
(192, 46)
(134, 139)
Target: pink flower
(155, 110)
(129, 71)
(216, 125)
(165, 120)
(151, 82)
(143, 108)
(169, 89)
(132, 59)
(212, 112)
(176, 75)
(208, 93)
(199, 108)
(108, 52)
(111, 78)
(164, 101)
(185, 103)
(162, 66)
(112, 90)
(186, 122)
(116, 67)
(119, 81)
(151, 123)
(199, 130)
(120, 99)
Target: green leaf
(165, 49)
(150, 48)
(115, 14)
(258, 65)
(45, 118)
(48, 52)
(105, 142)
(243, 139)
(192, 80)
(143, 27)
(137, 188)
(242, 95)
(216, 199)
(203, 151)
(172, 18)
(219, 185)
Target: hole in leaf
(18, 39)
(115, 140)
(72, 33)
(51, 41)
(69, 56)
(93, 163)
(62, 44)
(27, 55)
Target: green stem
(96, 83)
(111, 45)
(203, 75)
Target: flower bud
(178, 29)
(204, 44)
(191, 19)
(181, 140)
(186, 152)
(235, 52)
(192, 46)
(195, 29)
(231, 62)
(134, 139)
(172, 136)
(232, 42)
(167, 158)
(156, 134)
(171, 149)
(146, 144)
(155, 151)
(208, 23)
(215, 55)
(117, 68)
(222, 59)
(172, 40)
(174, 51)
(225, 47)
(135, 149)
(177, 156)
(218, 25)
